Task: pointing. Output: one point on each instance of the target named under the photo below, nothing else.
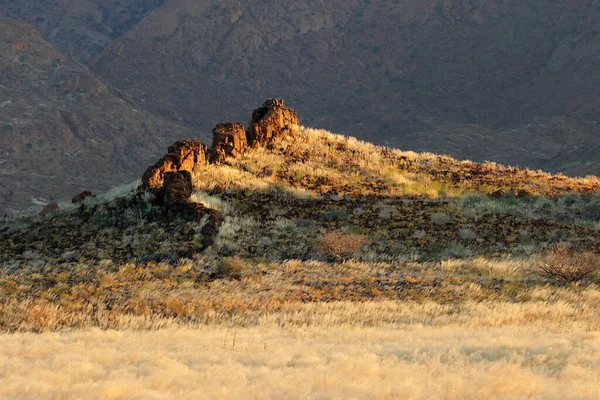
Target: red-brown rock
(229, 140)
(182, 156)
(49, 209)
(271, 122)
(80, 198)
(177, 188)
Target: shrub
(566, 265)
(341, 244)
(441, 219)
(467, 234)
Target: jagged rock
(177, 188)
(229, 140)
(182, 156)
(49, 209)
(271, 122)
(80, 198)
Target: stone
(271, 122)
(229, 140)
(181, 156)
(80, 198)
(177, 188)
(49, 209)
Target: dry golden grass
(320, 161)
(385, 350)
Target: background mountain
(503, 80)
(63, 129)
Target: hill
(304, 194)
(282, 253)
(65, 129)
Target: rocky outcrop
(174, 196)
(271, 122)
(177, 188)
(171, 177)
(229, 140)
(182, 156)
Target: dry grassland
(320, 351)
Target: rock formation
(177, 188)
(229, 140)
(171, 179)
(271, 122)
(175, 197)
(181, 156)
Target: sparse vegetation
(342, 245)
(563, 264)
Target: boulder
(182, 156)
(49, 209)
(229, 140)
(177, 188)
(271, 122)
(80, 198)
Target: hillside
(64, 129)
(306, 195)
(507, 81)
(79, 29)
(282, 259)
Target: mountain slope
(382, 70)
(79, 28)
(64, 129)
